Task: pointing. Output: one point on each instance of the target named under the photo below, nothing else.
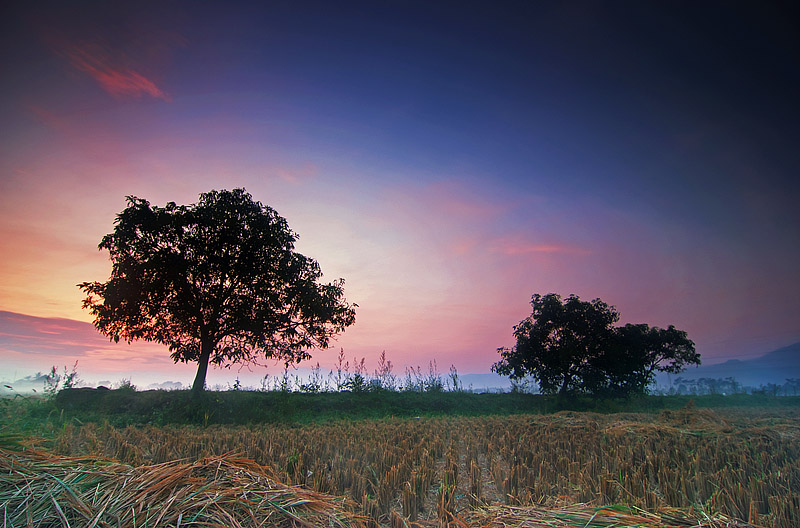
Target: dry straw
(41, 490)
(583, 516)
(433, 471)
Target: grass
(123, 407)
(38, 416)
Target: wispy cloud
(118, 80)
(47, 118)
(297, 175)
(516, 247)
(40, 341)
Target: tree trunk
(199, 384)
(564, 385)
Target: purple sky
(448, 159)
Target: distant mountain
(783, 357)
(773, 367)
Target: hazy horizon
(163, 373)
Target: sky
(447, 159)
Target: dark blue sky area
(682, 105)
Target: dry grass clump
(582, 516)
(41, 490)
(694, 418)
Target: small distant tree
(217, 282)
(126, 385)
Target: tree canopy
(572, 346)
(647, 349)
(217, 281)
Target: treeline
(726, 386)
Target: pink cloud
(447, 202)
(46, 117)
(464, 245)
(39, 342)
(297, 175)
(514, 247)
(115, 79)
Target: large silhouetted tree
(217, 281)
(572, 346)
(559, 343)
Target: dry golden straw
(40, 490)
(583, 516)
(740, 464)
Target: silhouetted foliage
(572, 346)
(560, 343)
(651, 349)
(218, 281)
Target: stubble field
(723, 467)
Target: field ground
(689, 466)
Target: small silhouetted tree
(560, 343)
(217, 282)
(572, 346)
(645, 349)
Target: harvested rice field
(684, 468)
